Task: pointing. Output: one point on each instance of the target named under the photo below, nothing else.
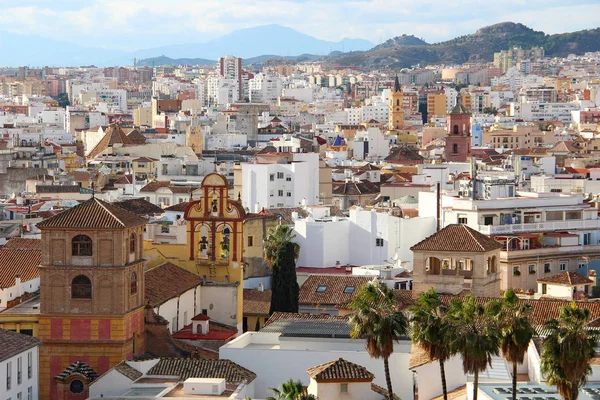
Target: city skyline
(133, 25)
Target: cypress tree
(285, 290)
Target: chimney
(18, 286)
(260, 287)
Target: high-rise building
(230, 67)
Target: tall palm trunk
(443, 375)
(574, 391)
(514, 381)
(476, 385)
(388, 379)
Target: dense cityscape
(352, 225)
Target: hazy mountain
(164, 60)
(479, 46)
(251, 42)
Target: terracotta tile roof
(13, 343)
(145, 159)
(79, 368)
(93, 214)
(257, 302)
(570, 278)
(114, 134)
(124, 180)
(185, 368)
(178, 207)
(128, 371)
(355, 188)
(197, 352)
(457, 238)
(382, 391)
(330, 289)
(135, 137)
(155, 185)
(21, 243)
(282, 316)
(340, 370)
(139, 207)
(168, 281)
(404, 153)
(22, 262)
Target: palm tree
(291, 390)
(475, 336)
(430, 331)
(567, 350)
(377, 319)
(277, 237)
(515, 330)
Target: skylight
(349, 289)
(321, 288)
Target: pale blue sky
(131, 25)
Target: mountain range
(258, 44)
(275, 40)
(405, 51)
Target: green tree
(377, 319)
(291, 390)
(285, 291)
(282, 234)
(516, 331)
(430, 331)
(63, 100)
(475, 336)
(567, 350)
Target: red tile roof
(282, 316)
(13, 343)
(335, 288)
(567, 278)
(340, 370)
(21, 243)
(114, 134)
(22, 262)
(257, 302)
(457, 238)
(93, 214)
(168, 281)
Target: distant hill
(404, 40)
(164, 60)
(479, 46)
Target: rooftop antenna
(93, 192)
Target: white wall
(429, 380)
(176, 308)
(26, 382)
(113, 383)
(273, 366)
(221, 304)
(16, 291)
(332, 391)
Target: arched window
(455, 148)
(81, 246)
(132, 243)
(76, 386)
(455, 129)
(81, 287)
(134, 283)
(397, 102)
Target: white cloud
(150, 23)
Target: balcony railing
(549, 251)
(540, 226)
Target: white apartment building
(535, 111)
(264, 88)
(281, 180)
(19, 376)
(371, 144)
(222, 91)
(364, 238)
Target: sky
(140, 24)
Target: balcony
(514, 255)
(539, 226)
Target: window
(379, 242)
(532, 269)
(81, 287)
(8, 375)
(164, 229)
(30, 393)
(547, 268)
(544, 288)
(272, 177)
(280, 175)
(280, 193)
(349, 289)
(271, 193)
(581, 264)
(343, 388)
(132, 243)
(19, 370)
(289, 194)
(250, 241)
(321, 289)
(462, 219)
(133, 283)
(516, 271)
(587, 239)
(563, 266)
(19, 396)
(81, 246)
(455, 148)
(288, 178)
(29, 363)
(76, 386)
